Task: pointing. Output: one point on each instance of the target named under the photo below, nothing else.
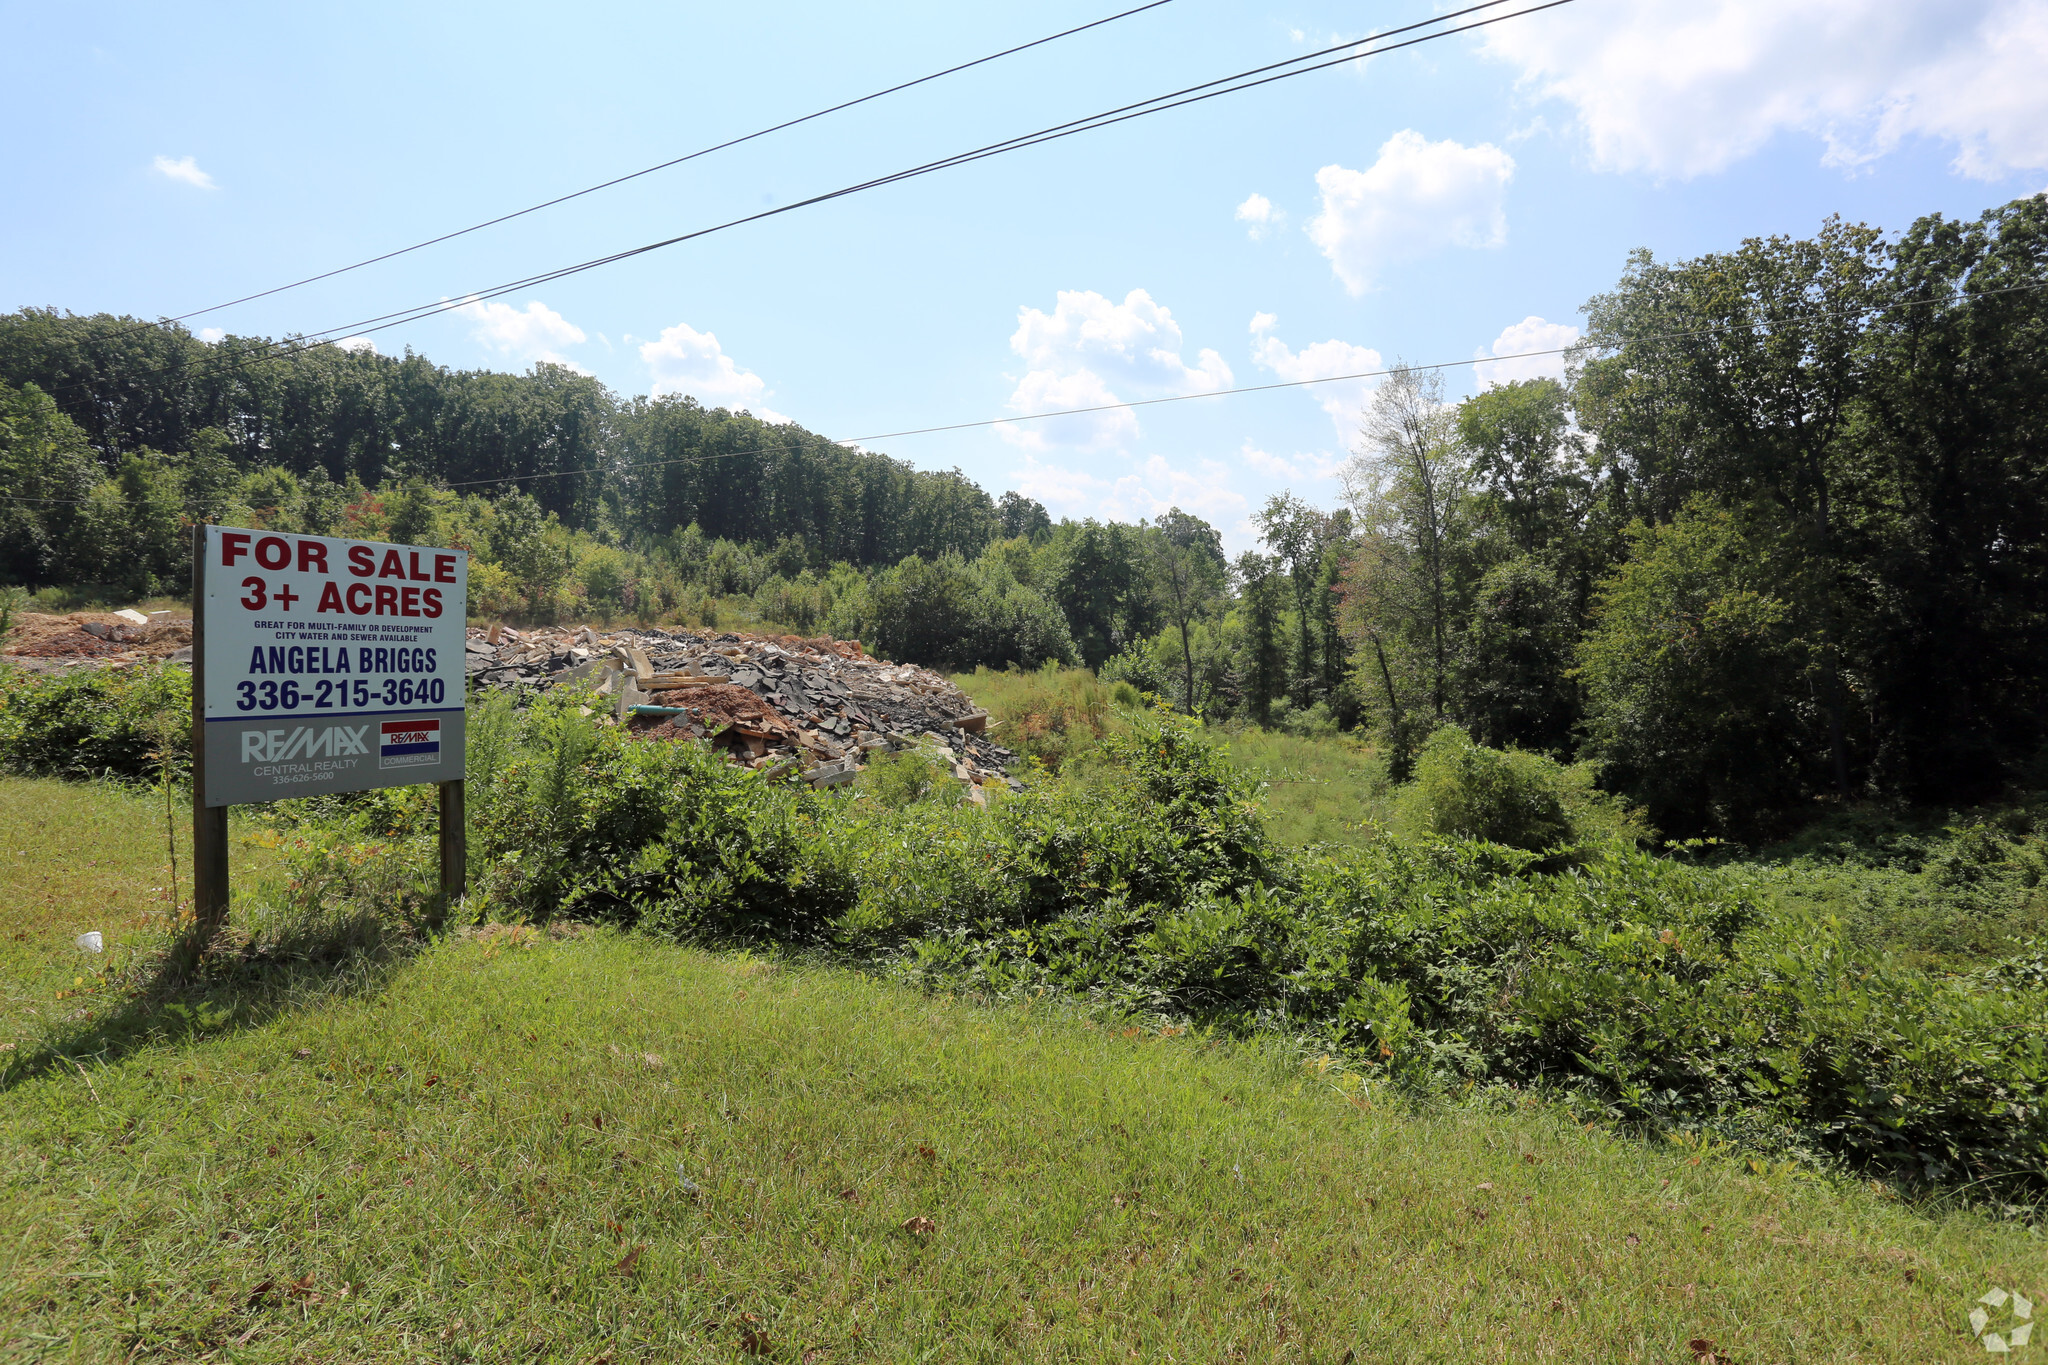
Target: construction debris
(777, 703)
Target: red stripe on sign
(394, 727)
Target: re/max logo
(304, 741)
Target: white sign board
(329, 665)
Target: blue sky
(1439, 204)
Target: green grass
(605, 1147)
(1945, 890)
(1055, 715)
(1318, 791)
(79, 856)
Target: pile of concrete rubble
(781, 704)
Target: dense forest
(1778, 539)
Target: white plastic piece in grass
(2022, 1306)
(1994, 1296)
(91, 941)
(2020, 1335)
(1995, 1344)
(1979, 1320)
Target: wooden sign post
(322, 665)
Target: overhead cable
(673, 161)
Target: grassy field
(1331, 791)
(600, 1147)
(1318, 791)
(76, 857)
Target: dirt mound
(95, 636)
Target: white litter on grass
(91, 942)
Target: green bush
(1503, 796)
(1659, 992)
(904, 779)
(96, 723)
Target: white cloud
(1530, 334)
(1049, 391)
(532, 335)
(1417, 198)
(1685, 90)
(685, 360)
(209, 335)
(1155, 486)
(357, 344)
(1306, 464)
(184, 169)
(1344, 400)
(1084, 351)
(1258, 211)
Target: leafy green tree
(1740, 374)
(414, 517)
(529, 543)
(1265, 643)
(1408, 489)
(1699, 689)
(47, 470)
(1189, 573)
(1515, 687)
(1948, 511)
(1022, 516)
(1531, 488)
(952, 613)
(1298, 536)
(1096, 575)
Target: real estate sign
(328, 665)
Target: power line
(674, 161)
(1157, 104)
(1194, 94)
(1584, 343)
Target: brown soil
(711, 707)
(35, 635)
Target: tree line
(322, 416)
(1777, 537)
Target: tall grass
(1058, 716)
(1316, 791)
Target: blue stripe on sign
(431, 747)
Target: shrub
(1503, 796)
(95, 723)
(1657, 992)
(904, 779)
